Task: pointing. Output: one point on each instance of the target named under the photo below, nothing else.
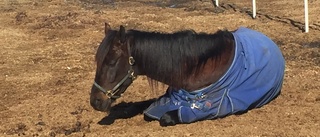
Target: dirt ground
(47, 66)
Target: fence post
(216, 3)
(254, 9)
(306, 16)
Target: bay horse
(209, 75)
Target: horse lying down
(209, 75)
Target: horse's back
(260, 47)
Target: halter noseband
(111, 93)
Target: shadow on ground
(125, 110)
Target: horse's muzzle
(99, 101)
(103, 105)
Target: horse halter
(130, 75)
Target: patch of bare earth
(47, 66)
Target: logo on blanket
(207, 104)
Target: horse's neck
(210, 72)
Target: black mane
(171, 57)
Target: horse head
(115, 69)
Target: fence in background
(254, 12)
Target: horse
(209, 75)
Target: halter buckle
(131, 73)
(131, 60)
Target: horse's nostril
(98, 102)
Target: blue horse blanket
(254, 79)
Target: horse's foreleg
(170, 118)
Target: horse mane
(172, 57)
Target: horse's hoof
(148, 119)
(169, 119)
(166, 120)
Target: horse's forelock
(104, 48)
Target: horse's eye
(112, 62)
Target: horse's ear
(122, 34)
(107, 28)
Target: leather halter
(130, 75)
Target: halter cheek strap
(111, 93)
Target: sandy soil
(47, 66)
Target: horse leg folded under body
(170, 118)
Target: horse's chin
(105, 106)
